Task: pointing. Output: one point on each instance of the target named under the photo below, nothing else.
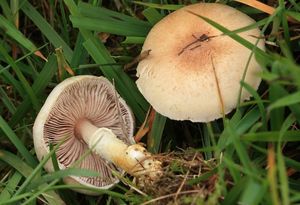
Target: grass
(255, 147)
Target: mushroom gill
(96, 101)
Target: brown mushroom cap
(178, 77)
(75, 99)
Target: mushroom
(193, 71)
(85, 112)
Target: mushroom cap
(178, 77)
(76, 98)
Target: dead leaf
(146, 126)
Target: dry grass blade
(146, 126)
(262, 7)
(141, 57)
(218, 88)
(258, 5)
(168, 196)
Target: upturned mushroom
(85, 112)
(193, 70)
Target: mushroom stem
(134, 159)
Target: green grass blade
(253, 192)
(155, 136)
(240, 148)
(6, 10)
(296, 6)
(17, 142)
(282, 173)
(202, 178)
(234, 36)
(240, 125)
(60, 174)
(152, 15)
(102, 13)
(15, 34)
(259, 103)
(113, 27)
(27, 171)
(133, 40)
(123, 83)
(285, 101)
(272, 136)
(79, 54)
(235, 192)
(289, 162)
(7, 102)
(39, 192)
(102, 191)
(276, 115)
(38, 86)
(284, 23)
(46, 29)
(280, 90)
(35, 172)
(8, 78)
(287, 68)
(16, 162)
(11, 186)
(21, 77)
(247, 121)
(251, 26)
(159, 6)
(15, 199)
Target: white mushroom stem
(133, 159)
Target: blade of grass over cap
(60, 174)
(35, 172)
(108, 192)
(233, 35)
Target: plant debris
(186, 179)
